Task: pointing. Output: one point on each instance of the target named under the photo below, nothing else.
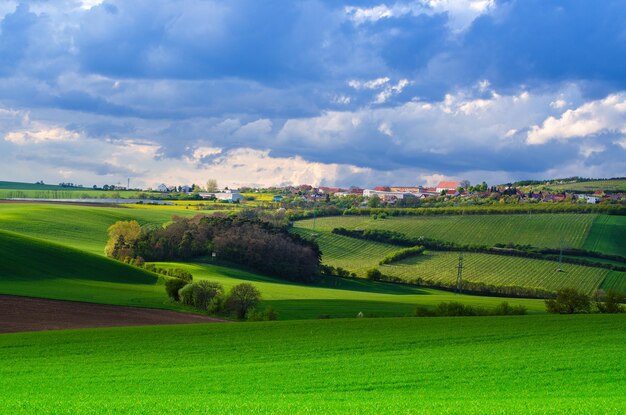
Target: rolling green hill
(541, 230)
(477, 365)
(617, 185)
(36, 268)
(82, 227)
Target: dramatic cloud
(350, 92)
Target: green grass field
(500, 270)
(342, 297)
(481, 365)
(349, 253)
(542, 230)
(38, 268)
(608, 235)
(46, 191)
(614, 280)
(82, 227)
(592, 186)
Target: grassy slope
(592, 186)
(498, 270)
(341, 298)
(608, 235)
(81, 227)
(533, 364)
(37, 268)
(544, 230)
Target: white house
(386, 196)
(162, 188)
(225, 196)
(592, 200)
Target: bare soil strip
(34, 314)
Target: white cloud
(41, 135)
(461, 13)
(608, 114)
(558, 104)
(371, 84)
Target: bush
(242, 298)
(374, 274)
(612, 302)
(568, 301)
(204, 292)
(217, 305)
(185, 295)
(173, 286)
(505, 309)
(402, 254)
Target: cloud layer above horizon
(317, 91)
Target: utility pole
(560, 254)
(459, 274)
(128, 185)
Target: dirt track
(34, 314)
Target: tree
(374, 274)
(465, 184)
(128, 231)
(374, 201)
(242, 298)
(611, 301)
(568, 301)
(211, 186)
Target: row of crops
(498, 270)
(541, 230)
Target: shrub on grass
(374, 274)
(568, 301)
(612, 302)
(173, 286)
(242, 298)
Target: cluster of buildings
(226, 195)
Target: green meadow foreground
(480, 365)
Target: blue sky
(321, 92)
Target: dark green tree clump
(241, 240)
(569, 301)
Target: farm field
(608, 235)
(542, 230)
(618, 185)
(519, 364)
(499, 270)
(341, 297)
(614, 280)
(349, 253)
(82, 227)
(65, 273)
(37, 268)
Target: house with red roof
(447, 186)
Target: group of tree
(572, 301)
(240, 302)
(241, 240)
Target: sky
(324, 92)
